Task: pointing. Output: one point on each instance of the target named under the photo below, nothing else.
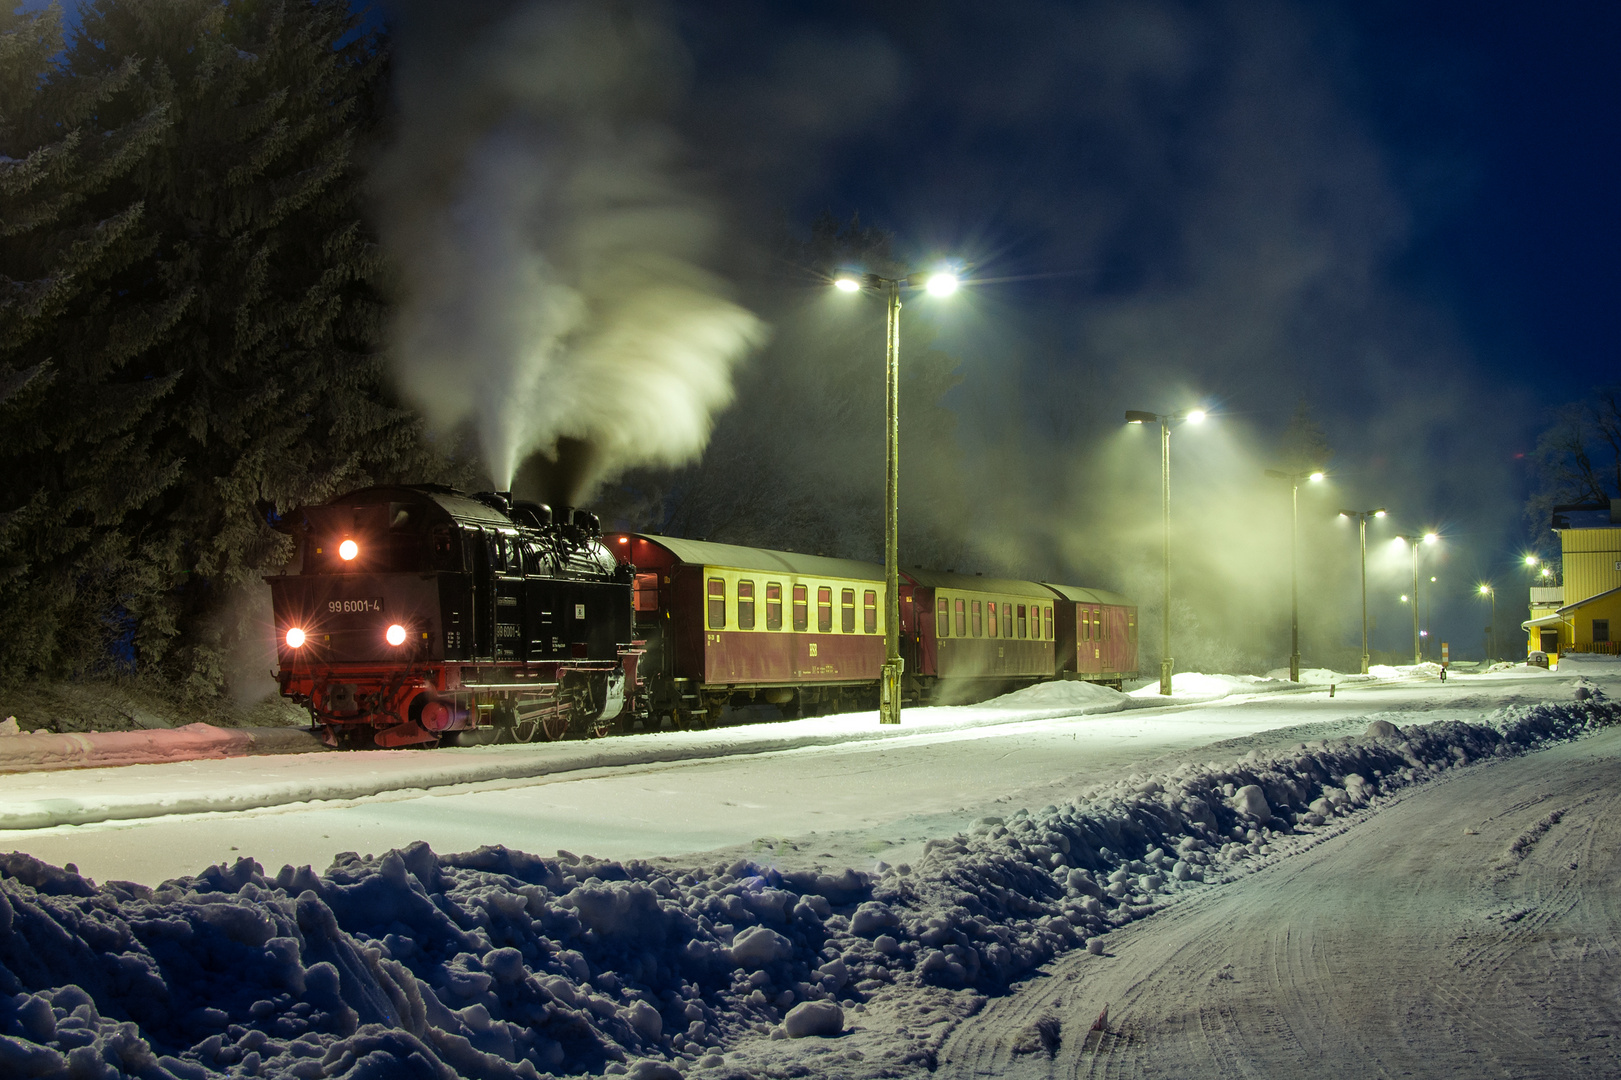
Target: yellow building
(1578, 617)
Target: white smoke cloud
(552, 246)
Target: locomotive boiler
(419, 615)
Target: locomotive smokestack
(551, 242)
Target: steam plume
(552, 251)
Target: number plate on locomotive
(371, 605)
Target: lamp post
(1490, 592)
(1192, 416)
(1413, 542)
(937, 284)
(1293, 480)
(1362, 517)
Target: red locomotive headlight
(348, 550)
(295, 638)
(395, 635)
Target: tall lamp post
(1293, 480)
(1362, 517)
(1490, 592)
(937, 284)
(1192, 416)
(1413, 542)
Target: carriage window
(979, 619)
(990, 613)
(847, 610)
(1098, 616)
(647, 592)
(773, 605)
(942, 618)
(745, 604)
(717, 603)
(1023, 625)
(1047, 612)
(869, 611)
(962, 620)
(1007, 620)
(824, 609)
(801, 614)
(1086, 624)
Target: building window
(1023, 624)
(824, 609)
(979, 620)
(801, 608)
(847, 610)
(990, 615)
(1601, 630)
(717, 603)
(773, 605)
(869, 611)
(942, 618)
(745, 604)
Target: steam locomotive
(419, 615)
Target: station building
(1582, 615)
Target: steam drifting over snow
(501, 964)
(552, 250)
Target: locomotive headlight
(348, 550)
(395, 634)
(295, 638)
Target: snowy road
(800, 792)
(1417, 943)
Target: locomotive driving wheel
(525, 729)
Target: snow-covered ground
(879, 883)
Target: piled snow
(31, 751)
(1070, 694)
(1318, 676)
(1193, 686)
(498, 964)
(1588, 660)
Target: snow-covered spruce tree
(257, 282)
(78, 454)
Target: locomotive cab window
(717, 603)
(869, 611)
(847, 610)
(446, 547)
(745, 604)
(942, 617)
(773, 605)
(824, 609)
(647, 592)
(801, 608)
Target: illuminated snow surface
(1026, 835)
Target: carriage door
(508, 582)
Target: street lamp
(1192, 416)
(1488, 591)
(937, 284)
(1362, 517)
(1413, 542)
(1293, 480)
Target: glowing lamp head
(1485, 590)
(942, 284)
(395, 635)
(847, 283)
(1196, 416)
(1430, 538)
(1315, 477)
(348, 550)
(295, 637)
(1547, 572)
(1530, 560)
(1404, 598)
(1378, 513)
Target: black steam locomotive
(419, 615)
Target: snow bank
(1193, 686)
(498, 964)
(32, 751)
(1063, 694)
(1598, 663)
